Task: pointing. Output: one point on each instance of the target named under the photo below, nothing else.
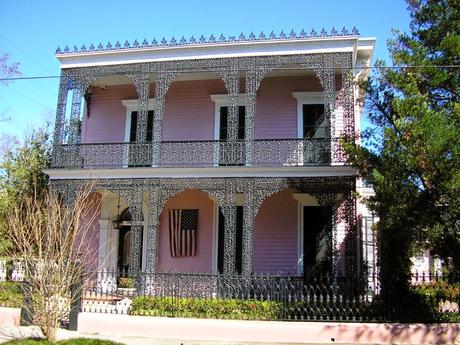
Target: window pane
(223, 123)
(133, 129)
(241, 115)
(313, 116)
(149, 137)
(239, 240)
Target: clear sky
(30, 31)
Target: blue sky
(31, 30)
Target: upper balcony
(265, 104)
(200, 154)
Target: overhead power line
(205, 70)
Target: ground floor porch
(276, 226)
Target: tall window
(310, 115)
(317, 240)
(223, 130)
(313, 117)
(133, 126)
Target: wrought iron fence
(208, 153)
(254, 297)
(245, 297)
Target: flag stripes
(183, 226)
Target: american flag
(183, 226)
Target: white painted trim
(310, 45)
(222, 99)
(127, 125)
(316, 97)
(134, 103)
(104, 242)
(221, 171)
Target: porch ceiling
(121, 80)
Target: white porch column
(106, 245)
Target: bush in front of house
(126, 282)
(439, 291)
(205, 308)
(441, 298)
(10, 294)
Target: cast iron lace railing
(323, 298)
(206, 153)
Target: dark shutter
(133, 129)
(241, 115)
(238, 242)
(220, 243)
(223, 123)
(149, 136)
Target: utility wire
(26, 54)
(242, 70)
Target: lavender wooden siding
(276, 113)
(106, 121)
(276, 234)
(189, 110)
(90, 224)
(202, 262)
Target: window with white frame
(131, 120)
(221, 116)
(310, 115)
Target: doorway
(317, 241)
(124, 242)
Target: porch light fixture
(116, 222)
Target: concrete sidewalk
(15, 332)
(212, 331)
(136, 330)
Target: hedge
(10, 294)
(205, 308)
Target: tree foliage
(48, 236)
(22, 175)
(412, 152)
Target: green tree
(413, 147)
(22, 176)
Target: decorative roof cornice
(209, 40)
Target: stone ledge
(10, 316)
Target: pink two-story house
(218, 155)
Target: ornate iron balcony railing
(207, 153)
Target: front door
(317, 240)
(124, 249)
(124, 253)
